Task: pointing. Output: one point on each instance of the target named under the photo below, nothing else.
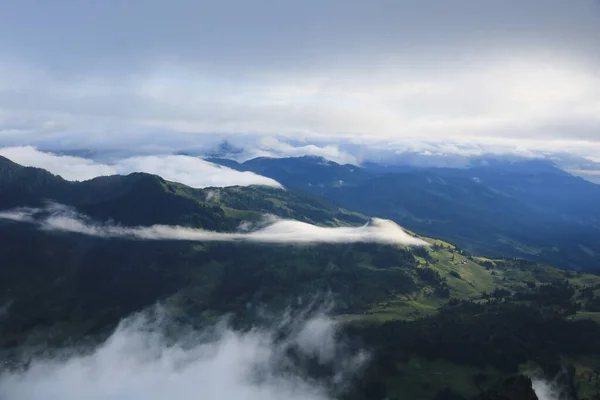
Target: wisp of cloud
(141, 361)
(545, 390)
(61, 218)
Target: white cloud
(70, 168)
(358, 71)
(510, 102)
(378, 230)
(18, 215)
(213, 195)
(317, 338)
(140, 362)
(60, 218)
(270, 146)
(191, 171)
(546, 390)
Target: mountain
(144, 199)
(529, 209)
(24, 185)
(435, 319)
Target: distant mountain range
(528, 208)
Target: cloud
(191, 171)
(508, 98)
(60, 218)
(317, 338)
(147, 76)
(71, 168)
(546, 390)
(213, 195)
(270, 146)
(154, 358)
(19, 215)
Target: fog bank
(141, 361)
(61, 218)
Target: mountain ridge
(528, 209)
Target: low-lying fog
(146, 358)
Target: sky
(314, 77)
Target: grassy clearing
(409, 307)
(469, 278)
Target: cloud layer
(152, 76)
(60, 218)
(190, 171)
(140, 361)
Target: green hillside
(435, 319)
(58, 294)
(144, 199)
(449, 273)
(527, 209)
